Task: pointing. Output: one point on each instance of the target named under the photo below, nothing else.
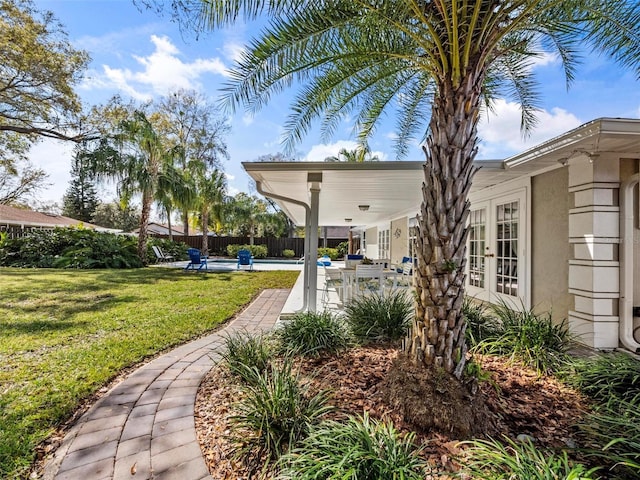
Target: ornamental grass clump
(531, 338)
(379, 318)
(493, 460)
(312, 334)
(481, 325)
(360, 448)
(247, 355)
(274, 414)
(611, 432)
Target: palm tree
(438, 62)
(210, 194)
(359, 154)
(136, 156)
(191, 124)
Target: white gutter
(626, 264)
(307, 244)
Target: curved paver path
(144, 428)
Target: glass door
(495, 249)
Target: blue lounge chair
(245, 259)
(195, 258)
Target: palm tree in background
(359, 154)
(210, 187)
(434, 65)
(138, 159)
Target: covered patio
(315, 194)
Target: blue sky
(140, 55)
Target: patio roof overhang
(383, 189)
(393, 188)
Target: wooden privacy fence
(275, 246)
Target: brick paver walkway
(144, 428)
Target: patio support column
(314, 180)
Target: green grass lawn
(64, 333)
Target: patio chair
(353, 260)
(160, 255)
(245, 259)
(195, 258)
(332, 281)
(369, 280)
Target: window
(384, 238)
(477, 237)
(507, 216)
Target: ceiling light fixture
(348, 220)
(363, 208)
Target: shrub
(378, 318)
(612, 430)
(312, 334)
(607, 377)
(343, 249)
(288, 253)
(258, 251)
(332, 253)
(247, 355)
(480, 324)
(71, 248)
(178, 250)
(274, 414)
(531, 338)
(491, 460)
(613, 433)
(360, 448)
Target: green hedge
(258, 251)
(332, 252)
(70, 248)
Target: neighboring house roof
(28, 218)
(372, 192)
(155, 228)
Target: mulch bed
(523, 401)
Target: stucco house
(555, 227)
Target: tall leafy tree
(117, 215)
(434, 64)
(81, 198)
(192, 125)
(38, 72)
(210, 186)
(136, 157)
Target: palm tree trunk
(437, 336)
(205, 232)
(169, 224)
(147, 198)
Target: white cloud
(229, 176)
(233, 50)
(247, 119)
(500, 133)
(319, 152)
(161, 71)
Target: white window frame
(514, 191)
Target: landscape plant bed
(528, 404)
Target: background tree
(360, 154)
(246, 215)
(81, 199)
(210, 195)
(38, 71)
(434, 62)
(19, 181)
(117, 215)
(191, 124)
(136, 157)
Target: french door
(495, 249)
